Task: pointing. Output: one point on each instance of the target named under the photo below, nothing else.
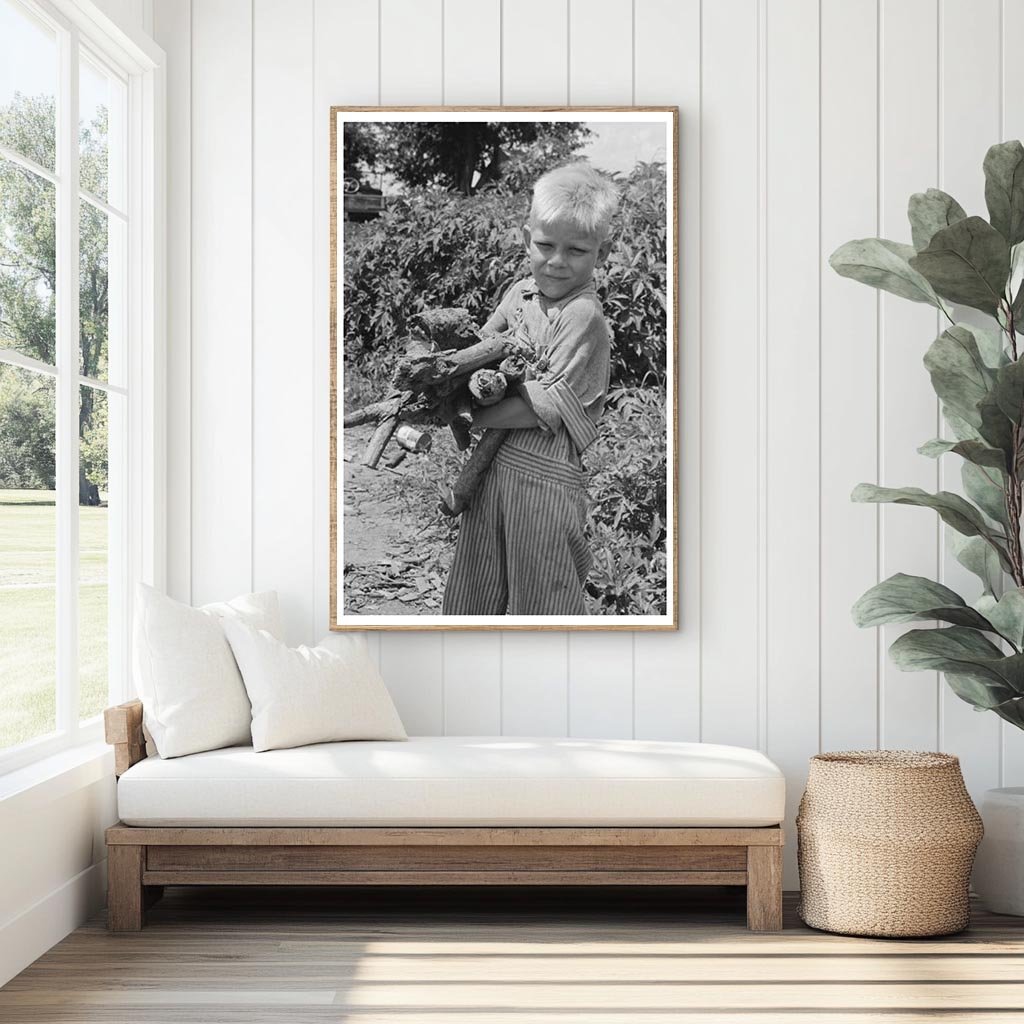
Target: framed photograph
(504, 311)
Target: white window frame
(141, 64)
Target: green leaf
(984, 486)
(1009, 390)
(995, 428)
(990, 345)
(954, 510)
(883, 264)
(976, 555)
(964, 652)
(932, 211)
(962, 430)
(967, 263)
(1004, 189)
(971, 450)
(1006, 614)
(980, 692)
(903, 598)
(1017, 308)
(958, 372)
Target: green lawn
(28, 616)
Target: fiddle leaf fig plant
(978, 375)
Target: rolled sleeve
(574, 417)
(540, 400)
(557, 405)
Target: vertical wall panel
(410, 51)
(472, 684)
(600, 52)
(534, 60)
(729, 360)
(472, 52)
(534, 695)
(221, 376)
(1012, 127)
(969, 124)
(535, 66)
(849, 368)
(283, 309)
(349, 29)
(411, 73)
(600, 684)
(792, 386)
(173, 30)
(909, 139)
(414, 673)
(472, 661)
(666, 666)
(601, 667)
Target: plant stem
(1012, 498)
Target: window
(77, 266)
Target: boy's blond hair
(576, 193)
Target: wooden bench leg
(125, 898)
(764, 888)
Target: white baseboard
(28, 936)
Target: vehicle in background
(362, 201)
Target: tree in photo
(461, 156)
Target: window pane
(28, 85)
(28, 263)
(101, 104)
(93, 551)
(28, 545)
(101, 292)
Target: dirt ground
(397, 546)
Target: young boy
(521, 547)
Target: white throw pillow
(309, 694)
(192, 693)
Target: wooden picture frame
(389, 593)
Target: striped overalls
(522, 549)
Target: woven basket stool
(885, 843)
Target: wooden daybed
(143, 858)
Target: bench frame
(142, 860)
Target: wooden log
(368, 413)
(441, 373)
(460, 435)
(416, 346)
(488, 387)
(385, 428)
(514, 368)
(491, 349)
(457, 498)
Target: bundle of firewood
(448, 369)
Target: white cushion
(191, 691)
(309, 694)
(456, 780)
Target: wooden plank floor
(219, 956)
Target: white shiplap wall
(803, 123)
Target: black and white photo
(503, 320)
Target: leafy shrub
(434, 248)
(628, 484)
